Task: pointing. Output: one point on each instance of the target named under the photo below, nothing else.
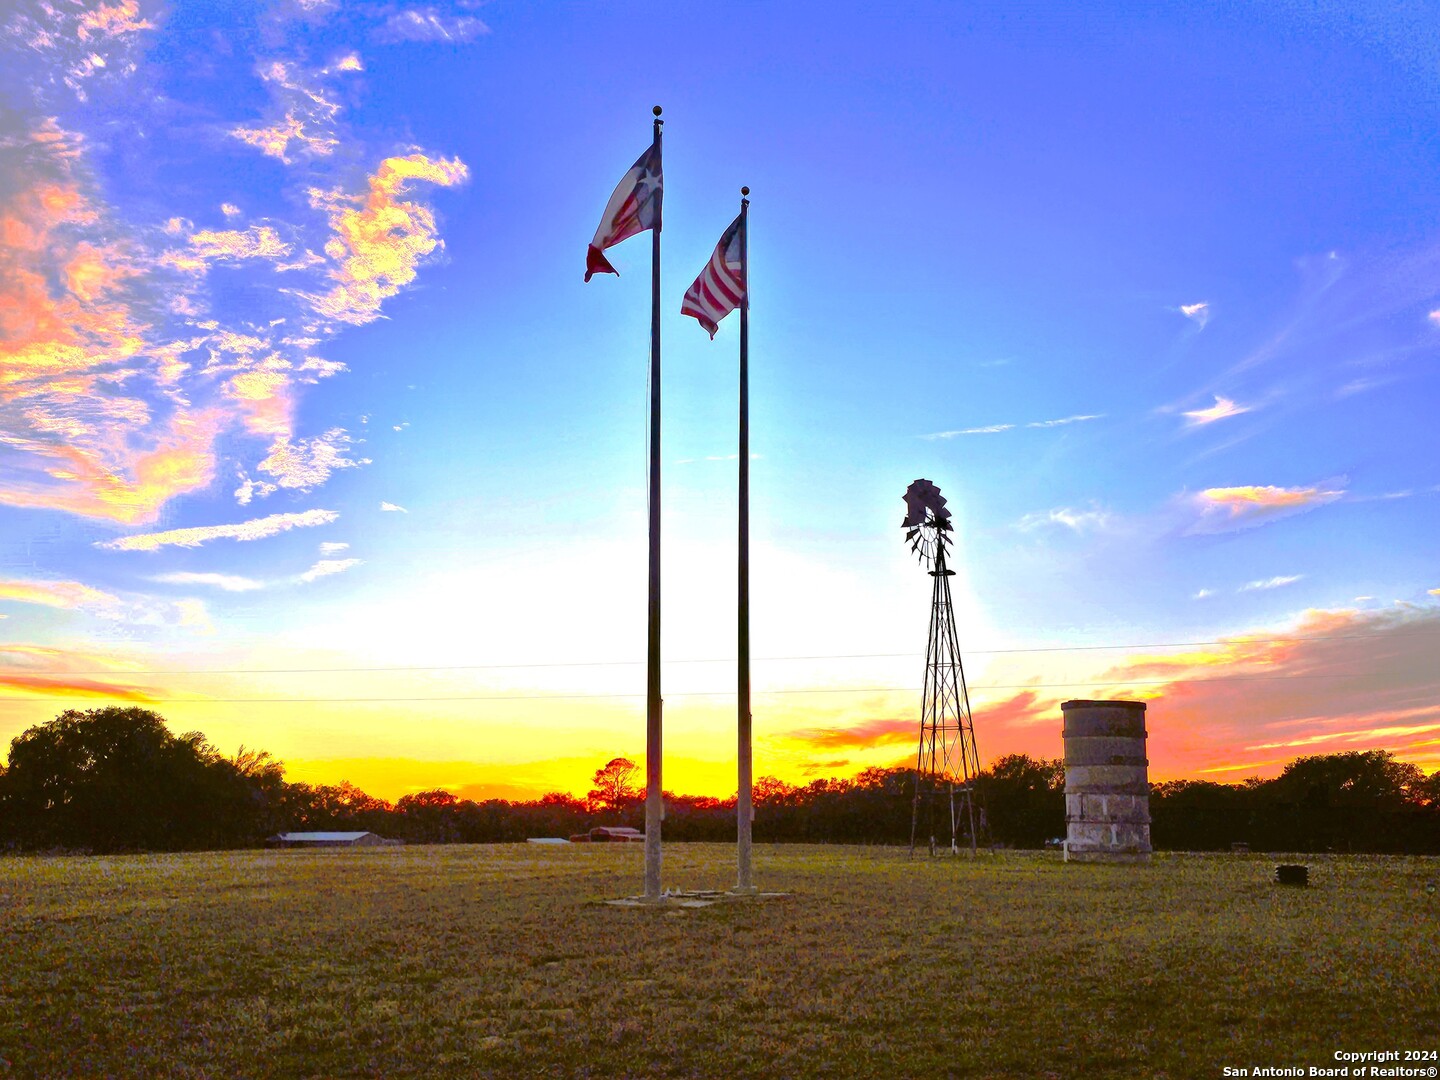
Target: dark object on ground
(1291, 874)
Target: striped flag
(633, 207)
(720, 288)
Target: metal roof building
(329, 839)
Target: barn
(328, 839)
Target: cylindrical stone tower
(1107, 789)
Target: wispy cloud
(257, 529)
(57, 594)
(1065, 420)
(333, 547)
(428, 24)
(1078, 521)
(71, 687)
(1199, 313)
(227, 582)
(995, 429)
(869, 733)
(1203, 593)
(308, 463)
(99, 44)
(326, 567)
(1223, 408)
(1271, 583)
(1231, 508)
(390, 507)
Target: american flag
(720, 288)
(633, 207)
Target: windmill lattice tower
(947, 762)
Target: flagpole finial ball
(744, 191)
(657, 110)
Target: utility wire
(120, 673)
(714, 693)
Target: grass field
(495, 961)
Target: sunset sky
(312, 439)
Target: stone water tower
(1107, 788)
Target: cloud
(1270, 583)
(309, 462)
(1065, 420)
(227, 582)
(258, 529)
(326, 567)
(995, 429)
(1231, 508)
(1203, 593)
(90, 44)
(1433, 592)
(1434, 316)
(49, 686)
(300, 113)
(57, 594)
(1331, 680)
(391, 507)
(869, 733)
(1079, 521)
(1222, 408)
(1199, 313)
(112, 20)
(992, 429)
(256, 242)
(426, 24)
(330, 547)
(379, 238)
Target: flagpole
(744, 802)
(654, 797)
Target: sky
(313, 439)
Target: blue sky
(1152, 293)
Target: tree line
(116, 779)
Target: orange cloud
(1224, 509)
(868, 733)
(1336, 680)
(380, 239)
(72, 688)
(59, 594)
(112, 20)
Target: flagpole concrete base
(691, 898)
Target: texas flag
(633, 208)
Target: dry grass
(494, 961)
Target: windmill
(947, 762)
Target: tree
(1024, 799)
(115, 778)
(614, 788)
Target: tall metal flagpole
(744, 809)
(654, 797)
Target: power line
(709, 693)
(710, 660)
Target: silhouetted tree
(614, 788)
(115, 778)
